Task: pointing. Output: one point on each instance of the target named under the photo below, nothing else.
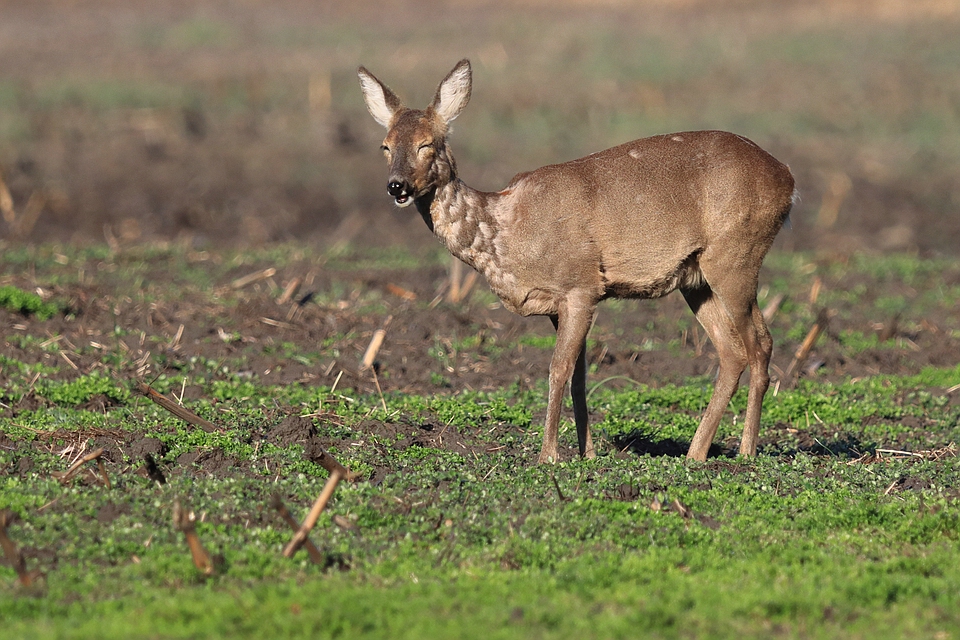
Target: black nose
(395, 188)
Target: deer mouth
(405, 194)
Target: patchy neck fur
(468, 222)
(460, 217)
(462, 221)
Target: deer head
(416, 143)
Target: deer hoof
(547, 458)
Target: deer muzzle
(400, 191)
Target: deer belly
(652, 280)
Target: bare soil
(423, 353)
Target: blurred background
(240, 122)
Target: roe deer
(694, 211)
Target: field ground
(846, 524)
(173, 167)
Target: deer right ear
(453, 94)
(381, 102)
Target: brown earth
(632, 339)
(424, 353)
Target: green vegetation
(23, 302)
(447, 542)
(845, 525)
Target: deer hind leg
(712, 315)
(569, 359)
(760, 348)
(578, 391)
(737, 292)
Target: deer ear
(453, 94)
(381, 102)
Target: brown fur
(695, 211)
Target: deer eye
(424, 147)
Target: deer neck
(461, 217)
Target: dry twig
(770, 310)
(183, 520)
(315, 556)
(467, 285)
(803, 351)
(103, 473)
(456, 275)
(949, 451)
(376, 382)
(14, 555)
(400, 292)
(289, 291)
(338, 472)
(256, 276)
(892, 485)
(330, 463)
(375, 343)
(65, 476)
(181, 412)
(556, 485)
(459, 285)
(932, 455)
(300, 537)
(174, 343)
(276, 323)
(344, 523)
(815, 290)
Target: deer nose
(396, 188)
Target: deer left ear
(453, 94)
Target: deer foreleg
(569, 359)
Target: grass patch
(452, 531)
(26, 303)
